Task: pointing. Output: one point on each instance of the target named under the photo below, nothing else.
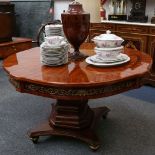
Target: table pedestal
(72, 118)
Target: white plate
(107, 64)
(97, 59)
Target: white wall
(150, 8)
(93, 8)
(59, 6)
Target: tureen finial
(108, 32)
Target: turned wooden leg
(72, 119)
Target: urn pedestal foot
(76, 55)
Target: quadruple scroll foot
(84, 133)
(92, 146)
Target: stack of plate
(54, 30)
(52, 55)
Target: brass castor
(94, 147)
(35, 139)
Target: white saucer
(98, 59)
(124, 58)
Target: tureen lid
(107, 36)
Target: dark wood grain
(14, 46)
(7, 24)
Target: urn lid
(75, 8)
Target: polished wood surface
(14, 46)
(72, 85)
(26, 66)
(75, 73)
(138, 37)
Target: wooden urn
(76, 23)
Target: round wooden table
(72, 85)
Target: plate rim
(87, 60)
(110, 60)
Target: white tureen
(107, 40)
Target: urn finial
(75, 7)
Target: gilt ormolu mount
(137, 13)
